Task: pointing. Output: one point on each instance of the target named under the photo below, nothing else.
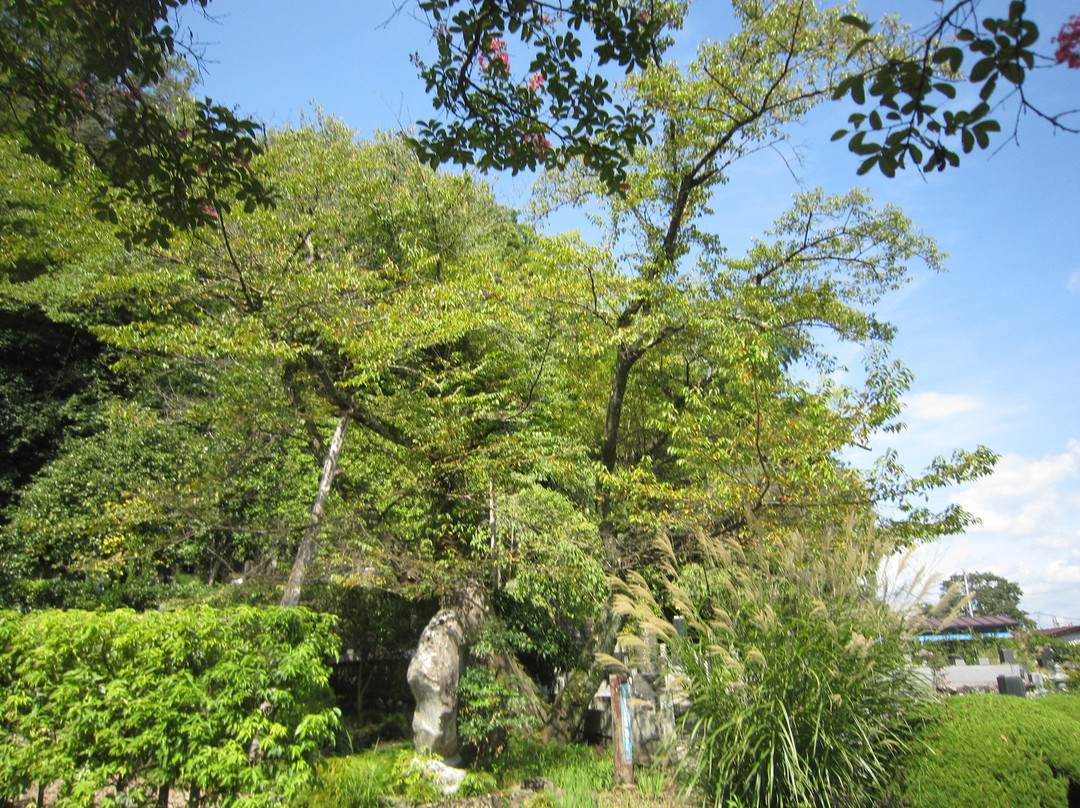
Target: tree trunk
(567, 715)
(625, 359)
(305, 553)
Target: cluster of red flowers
(536, 81)
(1068, 42)
(496, 53)
(540, 144)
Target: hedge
(231, 706)
(990, 750)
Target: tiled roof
(1058, 631)
(991, 623)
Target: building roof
(992, 623)
(1059, 631)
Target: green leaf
(953, 55)
(982, 69)
(861, 23)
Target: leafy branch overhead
(500, 117)
(85, 81)
(921, 110)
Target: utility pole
(967, 594)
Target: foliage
(231, 704)
(578, 768)
(991, 595)
(799, 688)
(996, 750)
(356, 781)
(921, 100)
(147, 492)
(490, 708)
(381, 776)
(498, 121)
(50, 375)
(915, 85)
(537, 636)
(78, 80)
(551, 554)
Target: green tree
(78, 82)
(377, 292)
(724, 413)
(990, 596)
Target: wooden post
(621, 736)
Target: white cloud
(938, 406)
(1061, 571)
(1073, 284)
(1030, 531)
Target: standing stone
(433, 678)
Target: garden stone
(433, 678)
(445, 778)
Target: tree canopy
(984, 594)
(562, 106)
(84, 81)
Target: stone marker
(1011, 686)
(433, 678)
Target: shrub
(231, 706)
(357, 781)
(489, 708)
(997, 750)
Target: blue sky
(994, 343)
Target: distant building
(935, 629)
(1070, 634)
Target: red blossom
(536, 81)
(540, 144)
(1068, 42)
(496, 53)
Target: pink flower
(540, 144)
(536, 81)
(1068, 41)
(497, 53)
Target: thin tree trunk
(567, 715)
(625, 359)
(492, 526)
(305, 553)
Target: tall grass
(796, 674)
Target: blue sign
(627, 736)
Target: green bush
(356, 781)
(490, 707)
(575, 768)
(383, 776)
(231, 706)
(997, 750)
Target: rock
(446, 778)
(433, 678)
